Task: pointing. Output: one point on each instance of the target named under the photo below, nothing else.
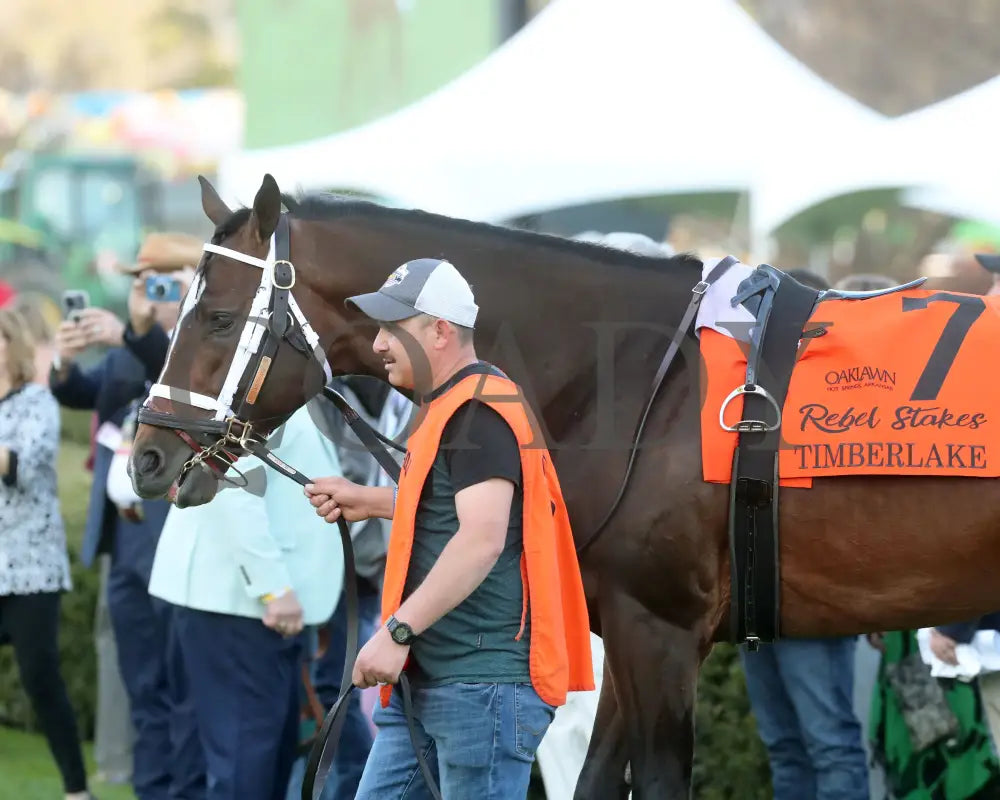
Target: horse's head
(242, 358)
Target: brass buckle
(228, 435)
(246, 436)
(243, 438)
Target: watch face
(401, 633)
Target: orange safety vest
(559, 655)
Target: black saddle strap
(755, 608)
(697, 293)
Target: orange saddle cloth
(903, 384)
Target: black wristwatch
(400, 632)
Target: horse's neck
(545, 311)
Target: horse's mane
(327, 206)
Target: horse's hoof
(628, 774)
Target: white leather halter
(251, 339)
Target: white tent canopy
(944, 155)
(597, 100)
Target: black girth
(782, 307)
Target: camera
(73, 302)
(163, 289)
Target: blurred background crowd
(850, 141)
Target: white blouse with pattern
(33, 554)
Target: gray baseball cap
(422, 286)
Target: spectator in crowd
(245, 573)
(41, 331)
(802, 694)
(34, 567)
(928, 734)
(167, 759)
(113, 729)
(944, 640)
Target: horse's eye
(221, 322)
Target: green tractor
(67, 220)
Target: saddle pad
(716, 310)
(903, 384)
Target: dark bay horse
(583, 328)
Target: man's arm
(77, 388)
(335, 495)
(483, 517)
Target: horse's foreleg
(603, 773)
(655, 666)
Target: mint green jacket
(225, 555)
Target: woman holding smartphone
(34, 566)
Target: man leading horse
(483, 601)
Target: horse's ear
(267, 208)
(212, 204)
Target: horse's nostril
(149, 462)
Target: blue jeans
(479, 740)
(801, 692)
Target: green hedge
(729, 759)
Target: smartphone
(73, 302)
(163, 289)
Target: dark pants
(31, 623)
(167, 757)
(802, 695)
(244, 679)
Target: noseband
(274, 317)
